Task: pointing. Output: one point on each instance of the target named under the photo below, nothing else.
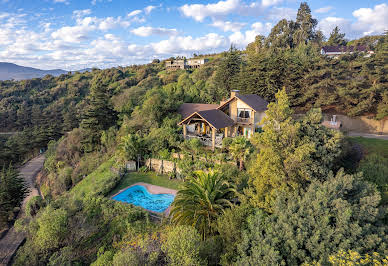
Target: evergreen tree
(305, 25)
(98, 116)
(12, 192)
(292, 153)
(228, 72)
(336, 38)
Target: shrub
(182, 246)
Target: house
(335, 51)
(185, 64)
(239, 115)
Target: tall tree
(228, 72)
(12, 192)
(292, 153)
(98, 116)
(336, 38)
(305, 25)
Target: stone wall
(361, 124)
(163, 167)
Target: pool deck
(153, 189)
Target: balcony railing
(245, 120)
(207, 140)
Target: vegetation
(201, 201)
(302, 194)
(147, 177)
(12, 192)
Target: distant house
(185, 64)
(334, 51)
(239, 115)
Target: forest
(300, 194)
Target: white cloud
(148, 9)
(228, 26)
(94, 2)
(241, 40)
(371, 21)
(81, 13)
(188, 44)
(134, 13)
(148, 31)
(199, 12)
(62, 1)
(326, 25)
(323, 9)
(111, 23)
(270, 2)
(278, 13)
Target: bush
(34, 205)
(182, 246)
(51, 228)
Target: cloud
(81, 13)
(323, 10)
(94, 2)
(266, 3)
(241, 40)
(188, 44)
(66, 2)
(371, 21)
(368, 21)
(134, 13)
(148, 9)
(148, 31)
(199, 12)
(278, 13)
(228, 26)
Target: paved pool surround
(152, 189)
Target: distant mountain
(12, 71)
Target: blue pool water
(139, 196)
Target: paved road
(12, 240)
(367, 135)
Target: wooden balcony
(245, 120)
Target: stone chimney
(233, 93)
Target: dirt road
(12, 240)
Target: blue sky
(74, 34)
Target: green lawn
(378, 146)
(150, 178)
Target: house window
(243, 113)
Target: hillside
(292, 193)
(9, 71)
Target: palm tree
(240, 149)
(202, 199)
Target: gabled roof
(187, 109)
(344, 49)
(216, 118)
(254, 101)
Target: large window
(243, 113)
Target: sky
(77, 34)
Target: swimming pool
(138, 195)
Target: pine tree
(99, 116)
(228, 72)
(336, 38)
(305, 25)
(12, 192)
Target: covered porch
(209, 126)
